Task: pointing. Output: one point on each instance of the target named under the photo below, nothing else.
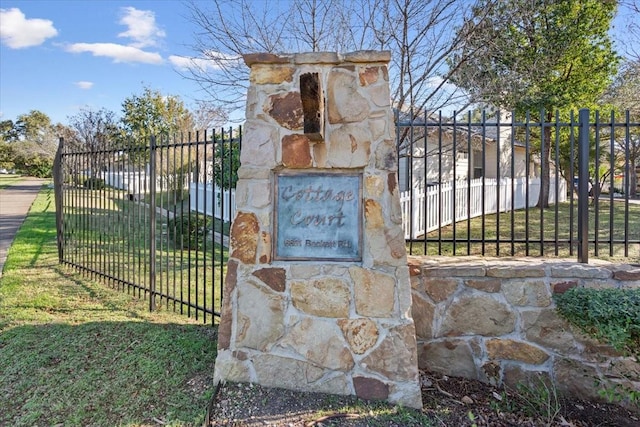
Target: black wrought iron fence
(151, 217)
(481, 185)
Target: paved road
(15, 202)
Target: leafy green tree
(540, 56)
(152, 113)
(226, 160)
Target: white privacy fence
(212, 201)
(424, 212)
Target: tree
(419, 33)
(94, 131)
(539, 56)
(624, 96)
(152, 113)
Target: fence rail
(140, 215)
(125, 216)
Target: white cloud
(203, 64)
(17, 32)
(118, 52)
(142, 27)
(84, 85)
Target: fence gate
(125, 215)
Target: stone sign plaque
(318, 216)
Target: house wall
(495, 320)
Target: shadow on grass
(106, 373)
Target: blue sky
(58, 56)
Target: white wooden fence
(212, 201)
(470, 202)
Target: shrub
(189, 232)
(609, 315)
(94, 183)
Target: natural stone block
(226, 316)
(526, 293)
(401, 342)
(329, 297)
(258, 149)
(262, 75)
(369, 75)
(477, 315)
(546, 328)
(449, 357)
(509, 271)
(373, 186)
(260, 316)
(327, 349)
(515, 350)
(275, 278)
(575, 378)
(251, 59)
(385, 156)
(373, 214)
(423, 312)
(380, 95)
(344, 103)
(383, 56)
(580, 271)
(396, 243)
(265, 248)
(296, 151)
(627, 275)
(228, 368)
(286, 109)
(349, 146)
(440, 289)
(516, 375)
(374, 292)
(562, 287)
(370, 388)
(485, 285)
(244, 237)
(454, 271)
(361, 334)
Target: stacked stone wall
(336, 327)
(495, 320)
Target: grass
(520, 224)
(75, 352)
(108, 233)
(6, 180)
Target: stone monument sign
(317, 294)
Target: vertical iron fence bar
(612, 150)
(189, 230)
(152, 223)
(171, 225)
(454, 187)
(527, 171)
(206, 230)
(425, 204)
(220, 221)
(513, 183)
(160, 177)
(543, 120)
(469, 174)
(595, 188)
(440, 181)
(557, 181)
(411, 185)
(498, 181)
(198, 217)
(583, 189)
(572, 173)
(181, 225)
(627, 175)
(58, 180)
(484, 176)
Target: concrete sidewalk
(15, 202)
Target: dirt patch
(448, 401)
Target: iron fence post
(58, 182)
(152, 224)
(583, 186)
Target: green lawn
(521, 224)
(75, 352)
